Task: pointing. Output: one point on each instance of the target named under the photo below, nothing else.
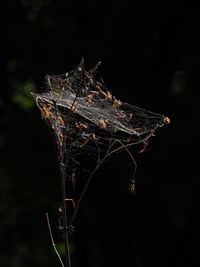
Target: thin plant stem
(52, 241)
(64, 207)
(61, 156)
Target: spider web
(84, 114)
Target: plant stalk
(64, 208)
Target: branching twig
(52, 241)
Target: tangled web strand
(84, 115)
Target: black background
(150, 58)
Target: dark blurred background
(150, 58)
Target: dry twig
(52, 241)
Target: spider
(117, 103)
(102, 123)
(87, 140)
(45, 111)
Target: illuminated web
(84, 115)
